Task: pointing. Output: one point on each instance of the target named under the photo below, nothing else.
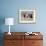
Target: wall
(10, 8)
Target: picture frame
(27, 16)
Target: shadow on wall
(2, 21)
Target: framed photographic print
(27, 16)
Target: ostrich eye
(24, 15)
(31, 16)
